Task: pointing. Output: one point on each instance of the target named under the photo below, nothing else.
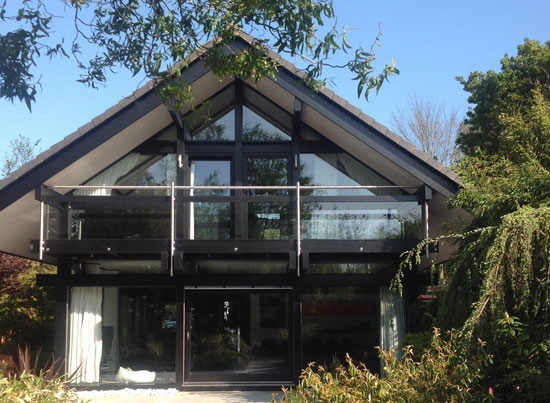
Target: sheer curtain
(392, 322)
(85, 343)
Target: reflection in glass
(210, 220)
(340, 169)
(361, 220)
(239, 335)
(351, 267)
(134, 169)
(227, 266)
(137, 332)
(222, 129)
(256, 128)
(119, 224)
(340, 320)
(268, 220)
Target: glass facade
(235, 315)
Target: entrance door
(238, 336)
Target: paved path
(190, 397)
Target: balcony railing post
(298, 230)
(172, 227)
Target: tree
(151, 36)
(430, 126)
(22, 150)
(505, 92)
(26, 311)
(498, 283)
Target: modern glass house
(229, 246)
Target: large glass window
(151, 163)
(340, 169)
(210, 220)
(340, 320)
(123, 335)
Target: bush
(419, 343)
(23, 380)
(28, 387)
(441, 375)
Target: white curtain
(392, 322)
(110, 176)
(85, 334)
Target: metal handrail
(232, 187)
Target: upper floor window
(256, 128)
(223, 129)
(152, 163)
(341, 169)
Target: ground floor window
(340, 320)
(122, 335)
(241, 335)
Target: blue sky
(431, 41)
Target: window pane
(222, 129)
(256, 128)
(126, 330)
(210, 220)
(340, 169)
(262, 171)
(134, 169)
(268, 220)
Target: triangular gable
(135, 118)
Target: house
(229, 246)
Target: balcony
(225, 220)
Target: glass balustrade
(234, 213)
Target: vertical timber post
(180, 339)
(297, 330)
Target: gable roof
(148, 89)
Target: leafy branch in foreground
(150, 37)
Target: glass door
(238, 336)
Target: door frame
(186, 334)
